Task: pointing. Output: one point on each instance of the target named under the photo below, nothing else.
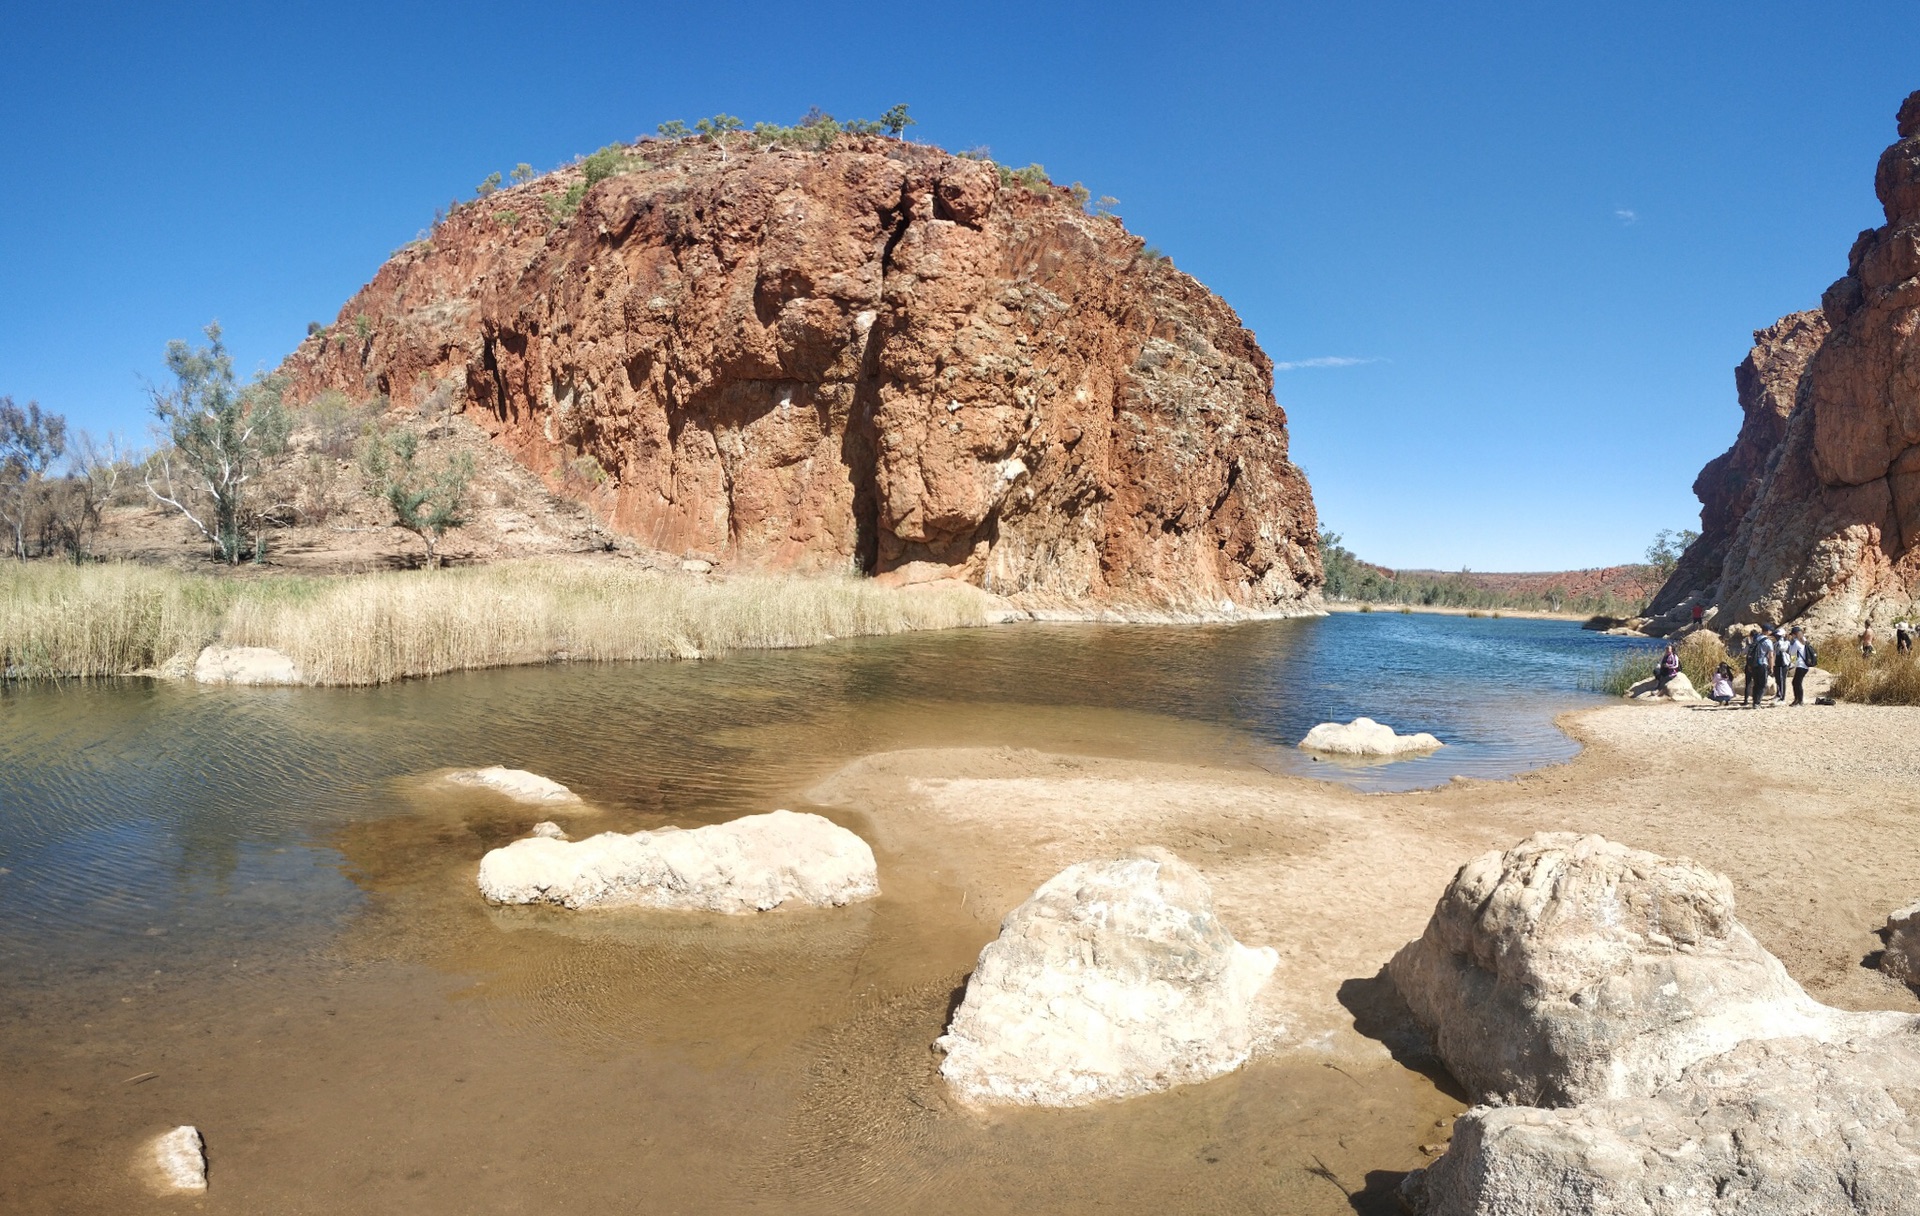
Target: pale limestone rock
(1114, 979)
(245, 665)
(515, 783)
(1775, 1127)
(549, 830)
(1365, 737)
(1570, 967)
(179, 1159)
(1679, 688)
(1901, 958)
(751, 864)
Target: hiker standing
(1799, 659)
(1782, 663)
(1759, 662)
(1866, 641)
(1902, 637)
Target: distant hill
(1621, 591)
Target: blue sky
(1512, 253)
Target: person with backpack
(1800, 657)
(1759, 663)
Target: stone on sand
(245, 665)
(1114, 979)
(180, 1160)
(752, 864)
(1365, 737)
(1679, 688)
(1901, 958)
(515, 783)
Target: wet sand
(439, 1056)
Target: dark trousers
(1756, 683)
(1780, 681)
(1799, 685)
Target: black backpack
(1813, 656)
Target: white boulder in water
(179, 1159)
(752, 864)
(515, 783)
(245, 665)
(1365, 737)
(1114, 979)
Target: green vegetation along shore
(63, 620)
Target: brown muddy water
(244, 909)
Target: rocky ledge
(878, 357)
(1634, 1049)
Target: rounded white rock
(1365, 737)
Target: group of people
(1780, 656)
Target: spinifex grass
(1888, 678)
(368, 629)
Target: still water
(249, 894)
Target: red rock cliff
(878, 357)
(1831, 534)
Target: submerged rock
(516, 783)
(749, 865)
(1365, 737)
(1114, 979)
(245, 665)
(1660, 1061)
(1901, 958)
(179, 1159)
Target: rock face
(1114, 979)
(179, 1160)
(1901, 958)
(878, 357)
(1681, 1069)
(753, 864)
(245, 665)
(1831, 535)
(1781, 1127)
(1365, 737)
(515, 783)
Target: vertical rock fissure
(860, 444)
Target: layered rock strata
(1635, 1049)
(1830, 532)
(1114, 979)
(878, 357)
(753, 864)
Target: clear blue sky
(1548, 230)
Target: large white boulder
(1114, 979)
(178, 1160)
(1570, 967)
(752, 864)
(246, 665)
(1365, 737)
(1678, 688)
(515, 783)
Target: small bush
(522, 173)
(488, 185)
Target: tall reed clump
(1627, 668)
(58, 619)
(1700, 652)
(371, 629)
(1888, 678)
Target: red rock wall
(873, 358)
(1832, 532)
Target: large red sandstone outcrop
(1831, 534)
(879, 357)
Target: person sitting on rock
(1721, 687)
(1667, 668)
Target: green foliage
(1081, 195)
(522, 173)
(1153, 253)
(1665, 551)
(362, 326)
(561, 207)
(426, 502)
(488, 185)
(316, 330)
(673, 130)
(895, 120)
(610, 161)
(30, 441)
(508, 217)
(219, 436)
(1350, 579)
(1105, 205)
(1033, 178)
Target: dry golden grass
(368, 629)
(1889, 678)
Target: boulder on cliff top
(1570, 967)
(876, 356)
(246, 665)
(177, 1160)
(752, 864)
(515, 783)
(1365, 737)
(1774, 1127)
(1114, 979)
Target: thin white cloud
(1626, 215)
(1323, 361)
